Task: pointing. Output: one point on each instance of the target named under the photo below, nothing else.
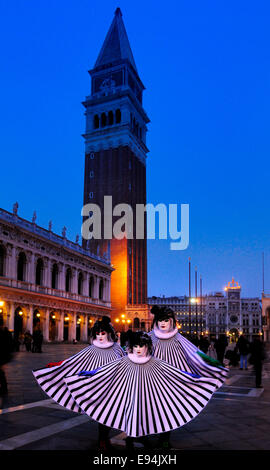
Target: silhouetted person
(257, 356)
(37, 341)
(6, 347)
(242, 346)
(27, 341)
(204, 344)
(220, 346)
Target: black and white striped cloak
(141, 399)
(51, 379)
(181, 353)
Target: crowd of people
(242, 354)
(10, 344)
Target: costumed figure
(103, 349)
(172, 347)
(140, 394)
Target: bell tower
(115, 165)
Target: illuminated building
(221, 314)
(115, 165)
(48, 281)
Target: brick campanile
(115, 165)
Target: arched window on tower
(110, 118)
(2, 260)
(103, 120)
(39, 272)
(21, 267)
(55, 276)
(117, 116)
(96, 121)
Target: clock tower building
(115, 166)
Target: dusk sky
(206, 69)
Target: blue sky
(206, 68)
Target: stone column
(11, 316)
(30, 274)
(46, 325)
(29, 325)
(47, 273)
(72, 327)
(74, 281)
(61, 276)
(60, 327)
(96, 287)
(85, 328)
(109, 290)
(12, 263)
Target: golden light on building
(20, 313)
(53, 317)
(66, 318)
(38, 315)
(129, 321)
(2, 303)
(123, 316)
(117, 320)
(232, 285)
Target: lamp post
(196, 305)
(201, 308)
(189, 297)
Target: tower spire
(116, 45)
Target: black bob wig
(104, 324)
(162, 313)
(140, 338)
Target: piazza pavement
(237, 417)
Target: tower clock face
(107, 83)
(233, 318)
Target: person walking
(6, 349)
(204, 344)
(242, 346)
(27, 341)
(220, 346)
(257, 357)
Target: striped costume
(178, 351)
(145, 398)
(51, 379)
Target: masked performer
(170, 346)
(140, 394)
(103, 349)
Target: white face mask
(102, 337)
(140, 351)
(165, 325)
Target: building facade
(49, 282)
(266, 316)
(115, 167)
(217, 313)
